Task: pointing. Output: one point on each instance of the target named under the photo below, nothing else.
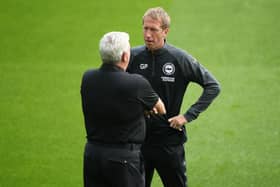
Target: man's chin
(149, 46)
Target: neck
(159, 47)
(121, 65)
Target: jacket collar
(158, 51)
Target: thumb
(170, 119)
(155, 110)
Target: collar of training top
(158, 51)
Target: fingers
(151, 112)
(177, 122)
(155, 111)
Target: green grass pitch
(45, 46)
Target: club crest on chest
(168, 68)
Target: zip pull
(153, 65)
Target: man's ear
(124, 57)
(165, 31)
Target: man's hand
(177, 122)
(151, 112)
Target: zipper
(153, 65)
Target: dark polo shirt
(113, 103)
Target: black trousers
(169, 162)
(113, 166)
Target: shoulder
(178, 52)
(137, 50)
(89, 73)
(187, 63)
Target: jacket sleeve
(194, 72)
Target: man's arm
(159, 107)
(195, 72)
(210, 92)
(150, 99)
(211, 88)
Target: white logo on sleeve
(168, 68)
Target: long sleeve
(195, 72)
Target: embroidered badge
(168, 68)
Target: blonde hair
(158, 13)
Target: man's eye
(151, 29)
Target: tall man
(113, 104)
(169, 70)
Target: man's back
(113, 105)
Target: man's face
(153, 33)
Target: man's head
(156, 23)
(114, 48)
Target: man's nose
(147, 33)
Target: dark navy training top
(170, 70)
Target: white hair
(112, 45)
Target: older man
(113, 103)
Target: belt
(127, 146)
